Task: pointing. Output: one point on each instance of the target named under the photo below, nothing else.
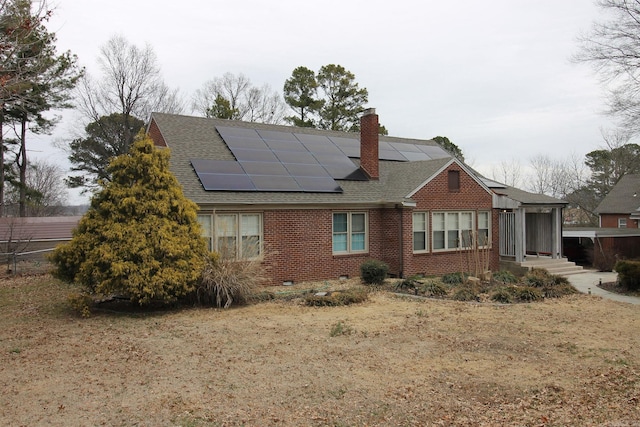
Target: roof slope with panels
(244, 154)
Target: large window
(234, 235)
(452, 230)
(420, 234)
(349, 232)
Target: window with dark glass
(454, 180)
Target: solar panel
(296, 157)
(217, 181)
(286, 146)
(345, 172)
(244, 142)
(435, 152)
(391, 155)
(216, 166)
(318, 184)
(270, 135)
(296, 169)
(268, 160)
(401, 146)
(413, 156)
(351, 151)
(310, 139)
(345, 142)
(254, 155)
(226, 131)
(264, 168)
(275, 183)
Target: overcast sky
(493, 76)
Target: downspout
(399, 207)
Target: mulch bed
(617, 288)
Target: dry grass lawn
(389, 361)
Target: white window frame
(349, 234)
(452, 223)
(622, 222)
(423, 222)
(488, 228)
(209, 222)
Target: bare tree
(265, 105)
(508, 172)
(612, 47)
(242, 100)
(550, 177)
(131, 85)
(45, 189)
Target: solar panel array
(285, 161)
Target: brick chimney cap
(369, 111)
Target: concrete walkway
(587, 283)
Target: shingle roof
(196, 137)
(621, 199)
(37, 228)
(527, 198)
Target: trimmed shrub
(453, 278)
(338, 298)
(373, 272)
(528, 294)
(503, 295)
(433, 289)
(628, 274)
(558, 291)
(465, 293)
(537, 278)
(505, 276)
(409, 284)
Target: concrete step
(557, 266)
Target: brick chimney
(369, 143)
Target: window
(349, 232)
(452, 230)
(420, 232)
(622, 222)
(454, 180)
(483, 229)
(234, 235)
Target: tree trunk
(1, 163)
(22, 164)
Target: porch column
(520, 235)
(557, 232)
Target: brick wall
(298, 243)
(611, 221)
(155, 135)
(435, 196)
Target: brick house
(621, 207)
(315, 204)
(618, 236)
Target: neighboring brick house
(316, 204)
(618, 236)
(621, 207)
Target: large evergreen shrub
(140, 237)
